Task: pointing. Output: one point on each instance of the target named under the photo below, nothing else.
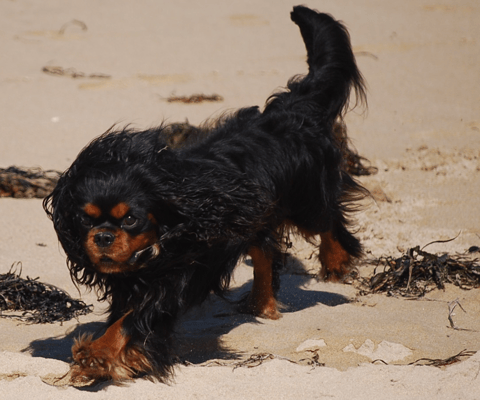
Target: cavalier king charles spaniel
(156, 229)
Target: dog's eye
(130, 221)
(86, 221)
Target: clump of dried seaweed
(40, 302)
(27, 183)
(418, 272)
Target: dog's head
(105, 210)
(105, 220)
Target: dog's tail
(333, 72)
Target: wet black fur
(215, 198)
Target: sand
(421, 130)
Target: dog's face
(107, 217)
(117, 237)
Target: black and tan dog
(156, 229)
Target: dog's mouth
(138, 260)
(140, 257)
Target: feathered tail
(333, 72)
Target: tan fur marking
(120, 210)
(92, 210)
(335, 260)
(108, 357)
(152, 219)
(262, 301)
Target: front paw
(95, 362)
(266, 308)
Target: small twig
(442, 241)
(81, 24)
(451, 308)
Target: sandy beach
(70, 70)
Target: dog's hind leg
(261, 300)
(336, 261)
(337, 250)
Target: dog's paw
(93, 362)
(259, 307)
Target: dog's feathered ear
(60, 208)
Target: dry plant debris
(40, 302)
(73, 22)
(194, 98)
(253, 361)
(27, 183)
(72, 73)
(418, 272)
(437, 362)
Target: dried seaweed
(40, 302)
(27, 183)
(194, 98)
(73, 73)
(418, 272)
(436, 362)
(314, 361)
(253, 361)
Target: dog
(156, 229)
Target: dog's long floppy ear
(60, 208)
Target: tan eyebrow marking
(120, 210)
(92, 210)
(152, 219)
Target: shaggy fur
(155, 230)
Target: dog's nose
(104, 239)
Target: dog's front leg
(110, 357)
(261, 301)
